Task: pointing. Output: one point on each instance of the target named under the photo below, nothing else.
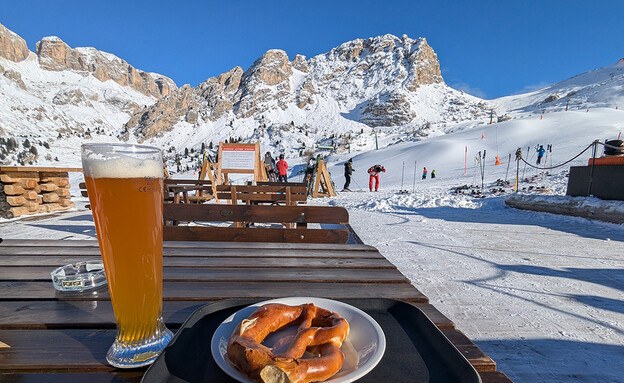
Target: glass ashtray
(79, 277)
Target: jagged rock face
(374, 80)
(12, 47)
(388, 109)
(154, 120)
(13, 76)
(55, 55)
(265, 81)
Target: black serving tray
(416, 350)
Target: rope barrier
(560, 165)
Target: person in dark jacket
(347, 173)
(269, 163)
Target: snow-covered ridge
(385, 84)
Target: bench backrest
(296, 216)
(289, 195)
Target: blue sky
(487, 48)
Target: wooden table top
(50, 336)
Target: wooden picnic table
(57, 337)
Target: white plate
(363, 348)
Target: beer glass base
(122, 355)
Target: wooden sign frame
(322, 181)
(256, 169)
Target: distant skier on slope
(433, 174)
(540, 154)
(374, 176)
(347, 173)
(282, 168)
(424, 176)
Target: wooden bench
(275, 193)
(290, 223)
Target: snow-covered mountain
(389, 84)
(58, 97)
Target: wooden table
(57, 337)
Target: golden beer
(126, 196)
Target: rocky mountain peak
(372, 82)
(55, 55)
(12, 47)
(271, 69)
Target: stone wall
(32, 192)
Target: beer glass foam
(125, 187)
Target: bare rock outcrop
(379, 77)
(388, 109)
(12, 47)
(163, 115)
(55, 55)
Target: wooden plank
(256, 197)
(94, 252)
(494, 377)
(256, 213)
(22, 291)
(257, 234)
(476, 357)
(279, 188)
(439, 319)
(199, 245)
(90, 314)
(37, 169)
(55, 350)
(180, 274)
(216, 262)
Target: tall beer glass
(125, 186)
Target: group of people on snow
(424, 174)
(278, 172)
(373, 171)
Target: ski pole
(402, 173)
(414, 183)
(483, 169)
(529, 153)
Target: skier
(309, 172)
(347, 173)
(282, 168)
(540, 153)
(374, 176)
(433, 174)
(424, 177)
(269, 163)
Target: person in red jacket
(374, 176)
(282, 168)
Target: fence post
(591, 171)
(518, 156)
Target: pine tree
(33, 150)
(26, 143)
(46, 145)
(203, 148)
(185, 152)
(210, 145)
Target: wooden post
(323, 180)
